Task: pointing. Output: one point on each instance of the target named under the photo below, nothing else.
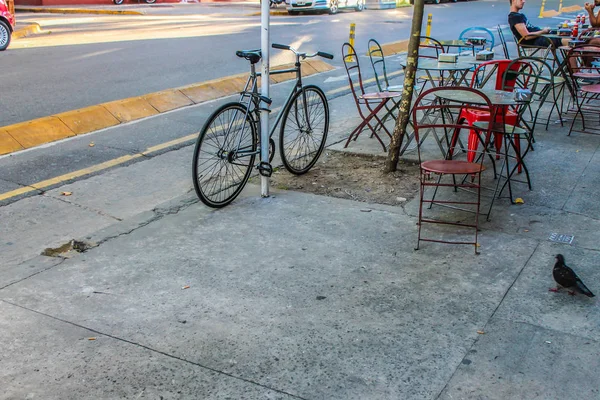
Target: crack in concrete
(97, 332)
(158, 214)
(476, 339)
(99, 212)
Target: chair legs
(474, 183)
(366, 122)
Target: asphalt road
(84, 60)
(89, 59)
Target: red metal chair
(464, 174)
(585, 78)
(368, 104)
(499, 67)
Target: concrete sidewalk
(297, 295)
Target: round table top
(497, 97)
(435, 65)
(455, 43)
(472, 60)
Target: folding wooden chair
(584, 74)
(368, 104)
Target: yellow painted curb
(393, 48)
(26, 31)
(570, 9)
(130, 109)
(76, 11)
(271, 12)
(8, 144)
(168, 100)
(39, 131)
(88, 119)
(48, 129)
(550, 13)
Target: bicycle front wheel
(304, 129)
(224, 155)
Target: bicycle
(229, 141)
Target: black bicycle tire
(214, 118)
(282, 145)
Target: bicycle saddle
(252, 55)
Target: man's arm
(525, 34)
(594, 20)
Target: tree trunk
(407, 93)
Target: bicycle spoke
(224, 155)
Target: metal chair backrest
(534, 74)
(478, 31)
(499, 67)
(424, 107)
(429, 47)
(581, 65)
(378, 62)
(503, 42)
(352, 65)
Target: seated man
(528, 34)
(594, 19)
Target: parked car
(330, 6)
(7, 24)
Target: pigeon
(565, 277)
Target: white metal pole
(265, 43)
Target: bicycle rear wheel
(304, 129)
(224, 155)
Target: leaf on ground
(66, 193)
(91, 338)
(481, 332)
(519, 200)
(92, 144)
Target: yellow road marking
(123, 159)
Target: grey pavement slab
(124, 192)
(33, 224)
(572, 158)
(530, 301)
(288, 293)
(518, 360)
(584, 196)
(46, 358)
(9, 275)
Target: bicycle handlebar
(302, 55)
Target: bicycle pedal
(265, 169)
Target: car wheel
(5, 35)
(333, 7)
(360, 6)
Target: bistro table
(457, 71)
(499, 99)
(457, 43)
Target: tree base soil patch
(354, 177)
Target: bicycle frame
(252, 99)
